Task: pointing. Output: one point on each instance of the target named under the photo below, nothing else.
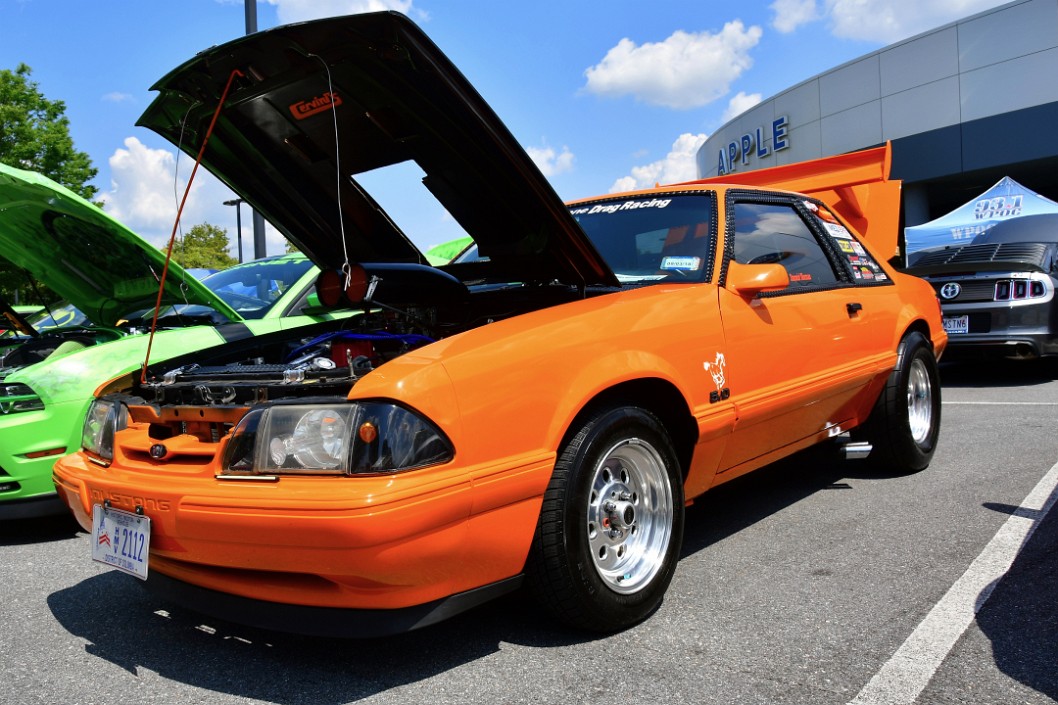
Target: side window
(776, 234)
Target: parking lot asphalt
(805, 582)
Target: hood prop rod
(179, 212)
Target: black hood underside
(391, 96)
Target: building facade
(963, 105)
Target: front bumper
(370, 543)
(26, 488)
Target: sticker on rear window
(681, 264)
(837, 230)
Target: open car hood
(84, 255)
(395, 97)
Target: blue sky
(604, 94)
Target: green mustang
(48, 377)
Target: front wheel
(611, 525)
(905, 423)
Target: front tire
(611, 525)
(905, 423)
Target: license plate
(956, 324)
(121, 540)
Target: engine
(313, 364)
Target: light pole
(259, 247)
(237, 202)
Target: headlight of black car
(367, 437)
(105, 417)
(15, 398)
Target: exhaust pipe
(857, 451)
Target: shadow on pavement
(979, 374)
(19, 532)
(742, 502)
(139, 631)
(1021, 615)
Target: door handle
(853, 308)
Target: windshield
(652, 238)
(254, 287)
(61, 314)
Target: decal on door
(716, 370)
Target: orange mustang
(538, 411)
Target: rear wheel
(905, 423)
(611, 525)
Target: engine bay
(28, 351)
(326, 359)
(325, 364)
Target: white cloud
(118, 97)
(686, 70)
(791, 14)
(551, 162)
(739, 104)
(302, 10)
(145, 191)
(678, 165)
(882, 21)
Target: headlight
(346, 438)
(18, 397)
(104, 419)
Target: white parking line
(904, 676)
(1000, 403)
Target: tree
(204, 245)
(35, 134)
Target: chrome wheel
(611, 523)
(919, 401)
(905, 423)
(629, 515)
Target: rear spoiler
(856, 185)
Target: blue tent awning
(1007, 199)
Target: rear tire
(905, 423)
(611, 525)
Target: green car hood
(86, 256)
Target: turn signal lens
(368, 433)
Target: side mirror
(748, 280)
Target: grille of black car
(972, 290)
(1002, 289)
